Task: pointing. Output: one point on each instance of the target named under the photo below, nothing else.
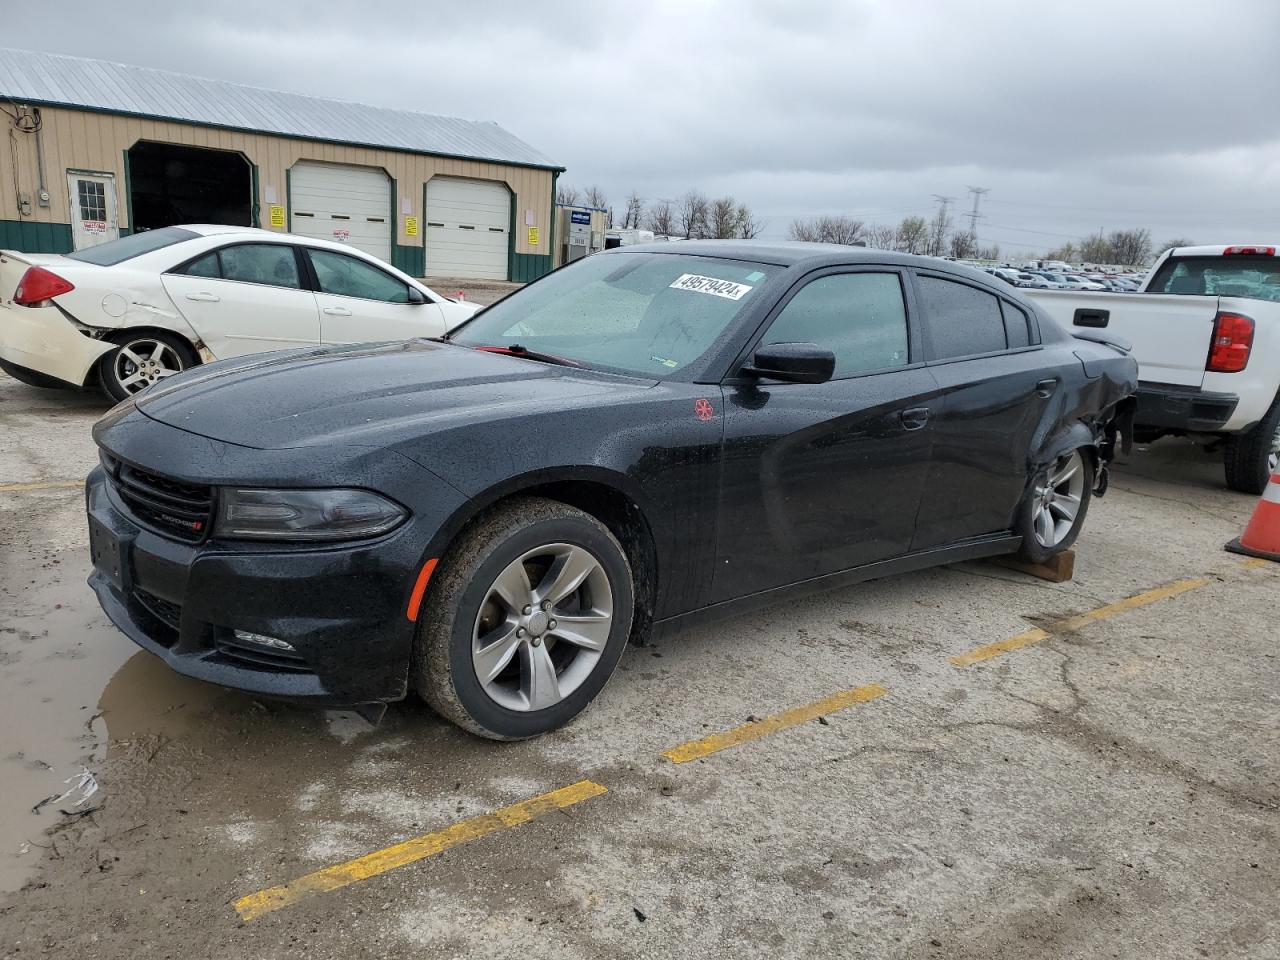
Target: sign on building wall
(533, 236)
(276, 215)
(410, 226)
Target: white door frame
(96, 224)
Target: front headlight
(339, 514)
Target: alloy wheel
(1057, 502)
(542, 627)
(140, 363)
(1273, 458)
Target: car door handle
(1045, 388)
(914, 418)
(204, 297)
(337, 311)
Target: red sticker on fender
(702, 407)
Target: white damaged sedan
(133, 311)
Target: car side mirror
(792, 363)
(417, 296)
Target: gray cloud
(1077, 117)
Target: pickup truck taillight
(38, 285)
(1232, 342)
(1249, 252)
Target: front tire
(524, 620)
(1251, 458)
(142, 358)
(1053, 510)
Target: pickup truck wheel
(524, 620)
(1053, 511)
(1251, 457)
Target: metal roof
(55, 80)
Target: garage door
(467, 228)
(348, 204)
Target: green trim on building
(527, 267)
(411, 260)
(551, 244)
(27, 236)
(511, 238)
(288, 199)
(255, 207)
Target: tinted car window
(345, 276)
(206, 266)
(1017, 327)
(272, 264)
(126, 248)
(860, 317)
(963, 319)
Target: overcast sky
(1076, 116)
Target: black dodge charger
(644, 439)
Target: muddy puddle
(75, 688)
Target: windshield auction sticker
(717, 288)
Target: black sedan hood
(350, 395)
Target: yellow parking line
(979, 654)
(696, 749)
(1000, 646)
(410, 851)
(1255, 563)
(52, 485)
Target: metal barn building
(96, 150)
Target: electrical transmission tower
(974, 216)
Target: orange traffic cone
(1262, 537)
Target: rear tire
(1250, 458)
(1053, 511)
(491, 654)
(142, 358)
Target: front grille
(258, 657)
(170, 614)
(184, 510)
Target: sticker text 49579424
(717, 288)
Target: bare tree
(748, 226)
(913, 235)
(1067, 253)
(840, 229)
(990, 253)
(1095, 249)
(1173, 244)
(939, 232)
(691, 214)
(635, 210)
(662, 218)
(882, 236)
(963, 244)
(722, 219)
(595, 197)
(1130, 247)
(566, 195)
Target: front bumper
(43, 340)
(342, 608)
(1189, 409)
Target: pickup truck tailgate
(1170, 333)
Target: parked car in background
(1205, 328)
(1032, 281)
(648, 438)
(129, 313)
(1073, 281)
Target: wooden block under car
(1057, 569)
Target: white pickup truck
(1205, 329)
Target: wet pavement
(1112, 791)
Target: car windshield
(651, 314)
(126, 248)
(1234, 276)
